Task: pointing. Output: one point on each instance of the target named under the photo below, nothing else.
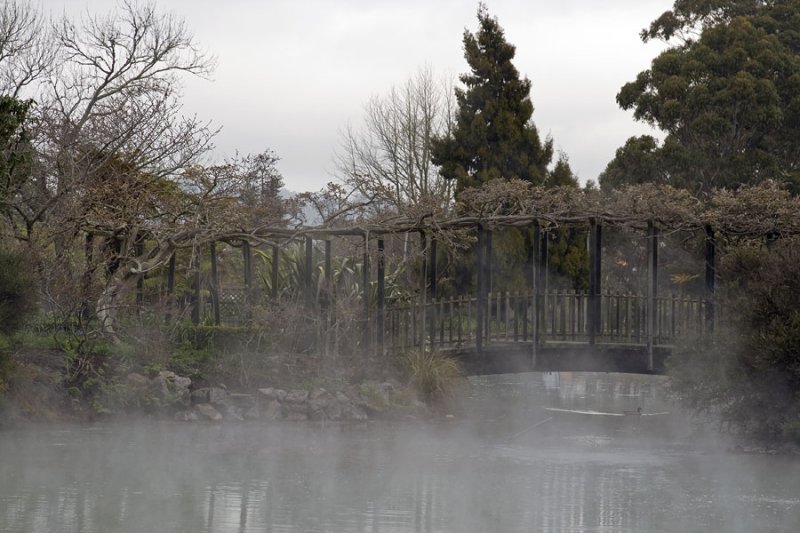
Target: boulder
(334, 411)
(200, 395)
(319, 402)
(136, 380)
(354, 412)
(234, 413)
(296, 411)
(296, 396)
(271, 393)
(271, 410)
(296, 416)
(217, 396)
(243, 401)
(186, 416)
(207, 411)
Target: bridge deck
(505, 358)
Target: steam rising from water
(485, 470)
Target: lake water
(485, 470)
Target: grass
(432, 373)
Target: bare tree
(388, 159)
(113, 150)
(27, 49)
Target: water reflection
(479, 473)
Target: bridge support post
(423, 293)
(480, 308)
(538, 261)
(365, 295)
(276, 258)
(432, 275)
(595, 251)
(327, 299)
(711, 276)
(247, 259)
(197, 301)
(652, 292)
(212, 248)
(308, 294)
(170, 289)
(379, 318)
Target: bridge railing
(563, 317)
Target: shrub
(431, 372)
(17, 300)
(749, 374)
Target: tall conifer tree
(494, 136)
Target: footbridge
(538, 327)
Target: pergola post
(423, 293)
(212, 247)
(276, 257)
(432, 264)
(365, 285)
(711, 276)
(327, 300)
(379, 318)
(170, 289)
(139, 249)
(480, 307)
(431, 259)
(652, 291)
(308, 292)
(247, 259)
(595, 251)
(196, 300)
(533, 270)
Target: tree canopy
(727, 95)
(493, 136)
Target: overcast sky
(292, 74)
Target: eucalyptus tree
(725, 94)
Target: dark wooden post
(214, 283)
(711, 276)
(595, 251)
(139, 249)
(652, 291)
(379, 319)
(432, 263)
(541, 286)
(431, 259)
(534, 251)
(247, 258)
(308, 278)
(365, 285)
(196, 300)
(423, 294)
(170, 288)
(489, 262)
(276, 257)
(480, 307)
(327, 301)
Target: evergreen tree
(15, 149)
(725, 95)
(494, 136)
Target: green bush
(749, 373)
(17, 298)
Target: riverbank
(37, 389)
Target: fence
(563, 316)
